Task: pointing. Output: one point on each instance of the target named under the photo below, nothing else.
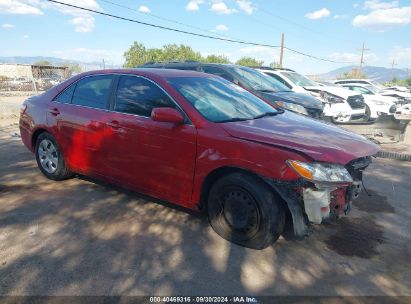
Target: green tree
(73, 68)
(42, 63)
(354, 73)
(249, 61)
(275, 65)
(216, 59)
(135, 55)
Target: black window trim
(187, 120)
(113, 89)
(108, 103)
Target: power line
(308, 29)
(167, 19)
(193, 33)
(164, 27)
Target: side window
(93, 91)
(218, 72)
(279, 79)
(360, 90)
(66, 95)
(136, 95)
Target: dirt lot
(82, 237)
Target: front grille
(356, 102)
(357, 166)
(314, 113)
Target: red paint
(162, 157)
(167, 115)
(338, 202)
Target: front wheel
(367, 115)
(244, 210)
(50, 159)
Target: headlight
(327, 97)
(292, 107)
(321, 172)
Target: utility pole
(392, 68)
(362, 56)
(104, 64)
(282, 50)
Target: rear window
(93, 91)
(66, 95)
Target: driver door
(156, 158)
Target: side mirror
(167, 115)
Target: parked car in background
(341, 105)
(198, 141)
(260, 85)
(376, 104)
(398, 88)
(403, 97)
(19, 84)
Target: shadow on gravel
(82, 237)
(356, 237)
(373, 202)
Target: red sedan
(198, 141)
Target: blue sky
(328, 29)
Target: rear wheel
(50, 159)
(245, 211)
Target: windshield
(257, 81)
(375, 84)
(372, 89)
(299, 80)
(219, 100)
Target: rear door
(156, 158)
(79, 114)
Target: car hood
(305, 100)
(340, 92)
(378, 97)
(318, 140)
(396, 93)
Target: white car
(403, 97)
(341, 105)
(398, 88)
(377, 104)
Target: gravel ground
(83, 237)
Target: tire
(244, 210)
(367, 115)
(50, 159)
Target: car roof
(354, 83)
(352, 80)
(184, 63)
(270, 69)
(149, 72)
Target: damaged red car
(201, 142)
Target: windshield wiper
(234, 119)
(267, 91)
(279, 111)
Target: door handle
(54, 111)
(114, 124)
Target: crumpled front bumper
(311, 203)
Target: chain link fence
(22, 79)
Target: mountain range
(379, 74)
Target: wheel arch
(35, 135)
(217, 173)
